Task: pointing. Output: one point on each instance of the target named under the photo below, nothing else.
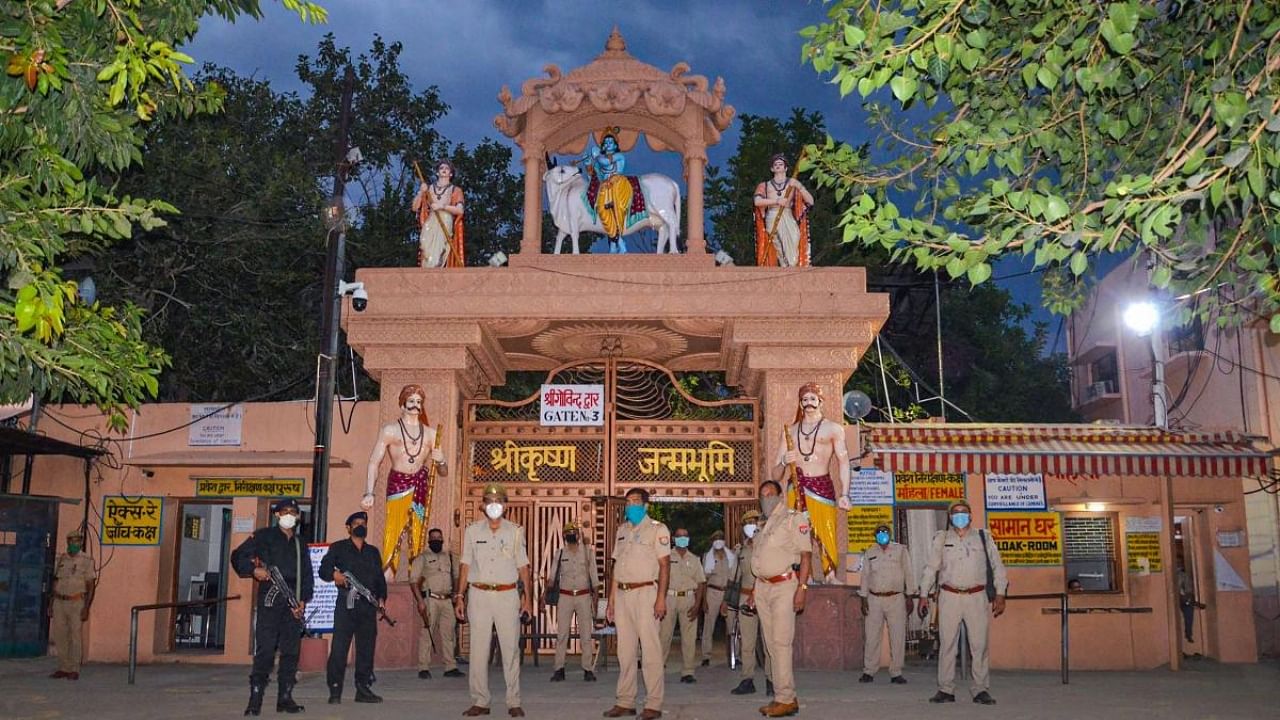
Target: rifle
(422, 593)
(357, 588)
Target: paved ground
(1205, 690)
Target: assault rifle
(357, 588)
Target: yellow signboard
(862, 523)
(131, 521)
(1027, 539)
(927, 488)
(1143, 549)
(248, 487)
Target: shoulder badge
(664, 540)
(804, 529)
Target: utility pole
(331, 308)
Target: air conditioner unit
(1098, 389)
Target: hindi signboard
(131, 521)
(862, 522)
(1143, 549)
(1027, 539)
(927, 488)
(870, 486)
(577, 405)
(249, 487)
(1015, 492)
(319, 617)
(214, 425)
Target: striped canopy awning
(1063, 450)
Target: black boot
(335, 694)
(284, 701)
(365, 695)
(255, 700)
(558, 675)
(746, 687)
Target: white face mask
(493, 510)
(749, 530)
(288, 521)
(718, 544)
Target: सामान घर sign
(249, 487)
(1015, 492)
(928, 488)
(573, 405)
(131, 521)
(1027, 539)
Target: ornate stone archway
(673, 110)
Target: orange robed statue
(439, 208)
(782, 240)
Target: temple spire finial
(615, 43)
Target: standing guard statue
(439, 209)
(782, 218)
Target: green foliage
(81, 80)
(1065, 130)
(232, 285)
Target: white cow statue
(566, 191)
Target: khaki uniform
(955, 564)
(494, 558)
(438, 572)
(637, 550)
(578, 583)
(887, 579)
(71, 577)
(778, 546)
(726, 566)
(682, 595)
(748, 621)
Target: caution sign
(1143, 549)
(1027, 539)
(862, 523)
(927, 488)
(131, 520)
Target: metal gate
(653, 433)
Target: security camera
(359, 296)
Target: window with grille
(1089, 544)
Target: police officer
(638, 603)
(887, 593)
(73, 584)
(495, 577)
(720, 565)
(685, 596)
(354, 616)
(781, 563)
(278, 626)
(958, 560)
(575, 568)
(746, 619)
(432, 576)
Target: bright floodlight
(1141, 317)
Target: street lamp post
(1144, 319)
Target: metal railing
(1065, 609)
(133, 623)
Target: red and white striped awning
(1063, 450)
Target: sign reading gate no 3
(1027, 538)
(131, 520)
(581, 405)
(927, 488)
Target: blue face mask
(882, 537)
(960, 520)
(682, 542)
(635, 513)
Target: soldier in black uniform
(279, 627)
(353, 615)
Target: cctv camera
(359, 296)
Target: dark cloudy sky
(471, 48)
